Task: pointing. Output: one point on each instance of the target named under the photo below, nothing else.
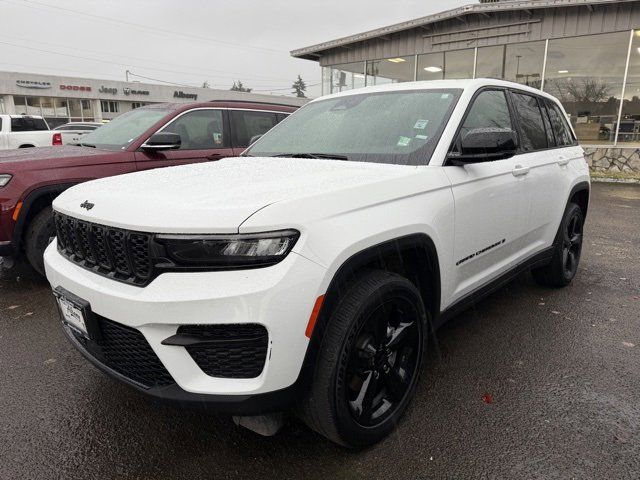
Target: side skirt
(537, 260)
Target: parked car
(153, 136)
(311, 272)
(72, 132)
(24, 131)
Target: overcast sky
(189, 41)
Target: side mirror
(254, 139)
(162, 141)
(485, 145)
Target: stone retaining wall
(609, 159)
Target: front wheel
(39, 235)
(568, 248)
(369, 361)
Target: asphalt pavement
(530, 383)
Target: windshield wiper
(329, 156)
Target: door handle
(563, 162)
(520, 170)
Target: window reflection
(630, 120)
(431, 66)
(523, 63)
(339, 78)
(459, 64)
(490, 62)
(390, 70)
(586, 75)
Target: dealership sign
(32, 84)
(181, 94)
(75, 88)
(126, 91)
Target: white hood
(214, 197)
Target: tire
(340, 404)
(566, 256)
(38, 236)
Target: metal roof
(314, 52)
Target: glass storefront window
(61, 107)
(490, 62)
(630, 120)
(47, 106)
(33, 106)
(586, 75)
(20, 105)
(87, 112)
(523, 63)
(459, 64)
(391, 70)
(431, 66)
(75, 109)
(339, 78)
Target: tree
(299, 87)
(205, 84)
(238, 87)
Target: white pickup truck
(23, 131)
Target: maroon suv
(149, 137)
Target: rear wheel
(369, 362)
(568, 248)
(39, 234)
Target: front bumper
(280, 298)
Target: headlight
(4, 179)
(229, 251)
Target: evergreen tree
(299, 88)
(239, 87)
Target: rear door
(204, 136)
(545, 185)
(490, 201)
(246, 124)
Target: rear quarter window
(27, 124)
(532, 132)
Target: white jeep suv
(310, 272)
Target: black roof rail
(254, 101)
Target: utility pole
(127, 72)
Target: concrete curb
(615, 180)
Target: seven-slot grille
(112, 252)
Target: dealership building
(70, 99)
(586, 53)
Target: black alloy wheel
(383, 361)
(572, 244)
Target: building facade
(586, 53)
(71, 99)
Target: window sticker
(404, 141)
(422, 137)
(421, 124)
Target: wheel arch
(580, 196)
(413, 256)
(33, 204)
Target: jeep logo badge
(87, 205)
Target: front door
(203, 138)
(490, 202)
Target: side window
(489, 110)
(246, 124)
(199, 129)
(559, 125)
(551, 139)
(28, 124)
(532, 134)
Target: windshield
(399, 127)
(121, 131)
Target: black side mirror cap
(162, 141)
(485, 145)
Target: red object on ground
(487, 398)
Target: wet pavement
(530, 383)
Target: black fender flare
(27, 204)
